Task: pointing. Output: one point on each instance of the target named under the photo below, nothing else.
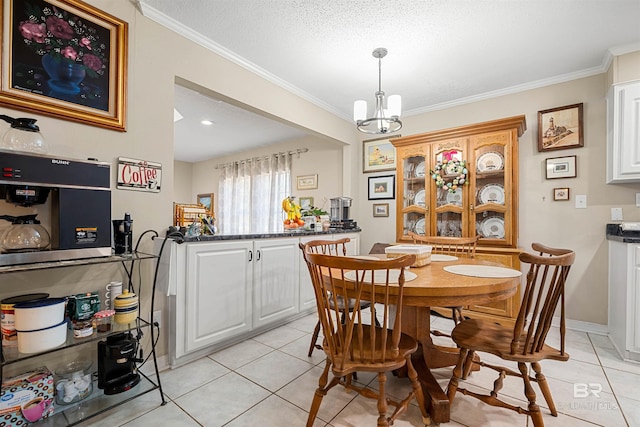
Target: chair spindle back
(544, 290)
(464, 247)
(355, 339)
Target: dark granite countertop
(297, 233)
(616, 234)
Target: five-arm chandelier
(384, 120)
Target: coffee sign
(140, 175)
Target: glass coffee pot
(23, 135)
(24, 234)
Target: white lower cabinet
(222, 291)
(218, 287)
(276, 286)
(624, 298)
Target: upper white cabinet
(623, 133)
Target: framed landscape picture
(65, 59)
(206, 200)
(561, 167)
(560, 128)
(378, 155)
(381, 209)
(382, 187)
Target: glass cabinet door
(492, 187)
(449, 178)
(413, 193)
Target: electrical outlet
(157, 316)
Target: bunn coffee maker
(72, 199)
(340, 213)
(117, 370)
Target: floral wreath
(450, 167)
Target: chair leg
(468, 364)
(544, 388)
(382, 401)
(456, 315)
(534, 409)
(417, 391)
(320, 393)
(455, 376)
(314, 338)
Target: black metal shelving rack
(97, 402)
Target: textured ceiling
(441, 52)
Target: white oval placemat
(380, 276)
(443, 257)
(482, 270)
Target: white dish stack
(40, 324)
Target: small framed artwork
(560, 128)
(66, 59)
(206, 200)
(307, 182)
(306, 203)
(561, 167)
(561, 194)
(378, 155)
(380, 209)
(382, 187)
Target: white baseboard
(579, 325)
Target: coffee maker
(71, 198)
(340, 213)
(123, 235)
(117, 370)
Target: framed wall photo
(306, 203)
(382, 187)
(380, 209)
(65, 59)
(307, 182)
(378, 155)
(561, 167)
(561, 194)
(206, 200)
(560, 128)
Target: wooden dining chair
(462, 247)
(353, 345)
(525, 341)
(335, 248)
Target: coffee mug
(113, 289)
(34, 409)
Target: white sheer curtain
(250, 195)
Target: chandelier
(383, 120)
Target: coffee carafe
(24, 135)
(24, 234)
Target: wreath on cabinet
(446, 168)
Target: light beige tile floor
(270, 381)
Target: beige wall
(182, 183)
(541, 219)
(324, 158)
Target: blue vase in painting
(65, 76)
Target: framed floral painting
(66, 59)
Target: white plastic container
(38, 314)
(422, 253)
(42, 339)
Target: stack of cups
(113, 289)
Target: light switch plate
(581, 201)
(616, 214)
(638, 200)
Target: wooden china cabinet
(482, 159)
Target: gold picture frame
(206, 200)
(307, 182)
(380, 210)
(560, 128)
(378, 155)
(75, 69)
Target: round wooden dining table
(436, 287)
